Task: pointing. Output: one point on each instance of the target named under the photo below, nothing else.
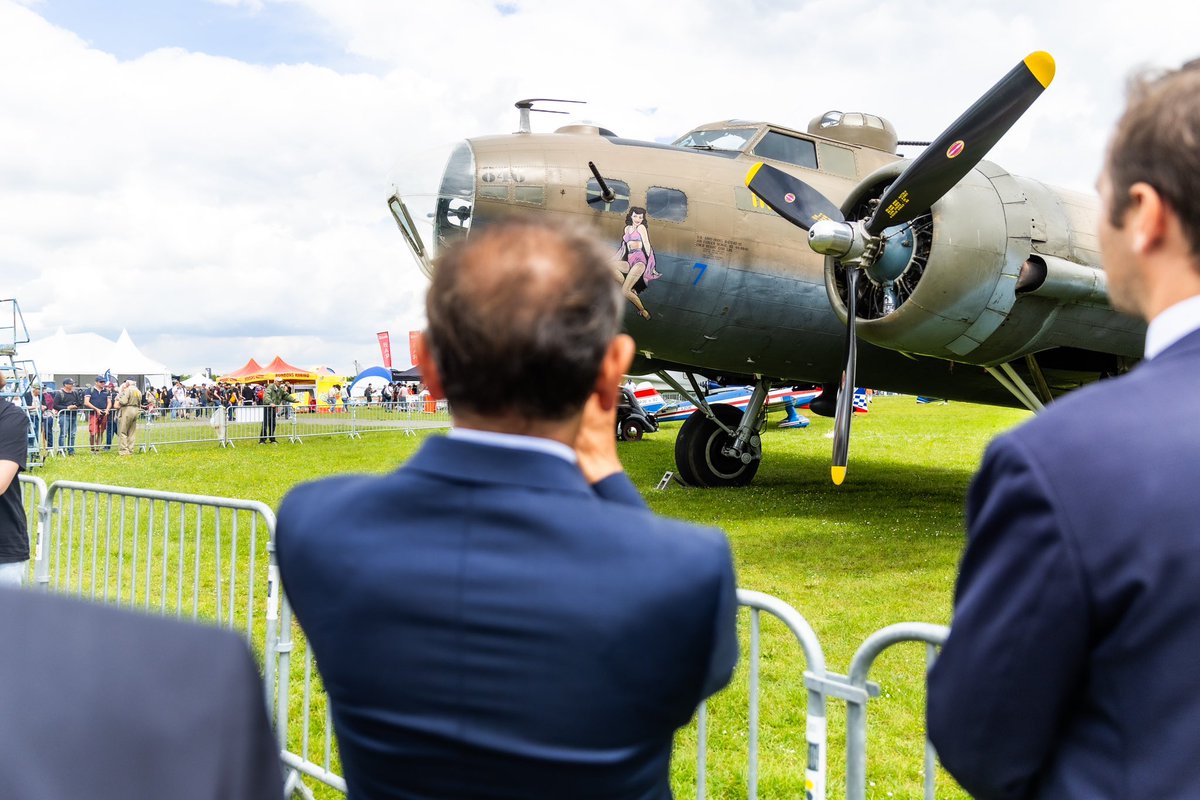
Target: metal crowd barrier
(189, 556)
(203, 558)
(212, 559)
(815, 726)
(302, 757)
(69, 431)
(33, 497)
(170, 553)
(934, 636)
(226, 426)
(405, 415)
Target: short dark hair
(519, 318)
(1157, 141)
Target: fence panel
(815, 682)
(226, 426)
(65, 432)
(409, 415)
(218, 425)
(934, 636)
(188, 556)
(33, 497)
(312, 752)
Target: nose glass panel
(456, 197)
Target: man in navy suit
(1070, 671)
(503, 617)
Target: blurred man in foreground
(111, 705)
(503, 616)
(1070, 667)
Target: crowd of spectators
(63, 410)
(179, 401)
(396, 396)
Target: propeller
(857, 243)
(791, 198)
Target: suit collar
(514, 441)
(1187, 345)
(1172, 325)
(461, 460)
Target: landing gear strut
(720, 445)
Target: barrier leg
(294, 430)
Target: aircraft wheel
(698, 456)
(631, 431)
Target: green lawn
(882, 548)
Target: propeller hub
(835, 239)
(896, 253)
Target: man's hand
(596, 442)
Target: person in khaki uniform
(129, 405)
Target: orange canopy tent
(278, 368)
(252, 367)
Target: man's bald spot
(515, 273)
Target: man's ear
(1147, 216)
(429, 372)
(613, 367)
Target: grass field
(882, 548)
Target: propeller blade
(956, 152)
(790, 197)
(845, 400)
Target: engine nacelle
(948, 288)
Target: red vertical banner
(413, 336)
(385, 347)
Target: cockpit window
(789, 149)
(726, 139)
(668, 204)
(595, 199)
(830, 119)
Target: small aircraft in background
(943, 275)
(788, 399)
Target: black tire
(698, 457)
(631, 431)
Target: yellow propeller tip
(753, 171)
(839, 475)
(1041, 64)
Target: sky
(212, 175)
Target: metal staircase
(20, 374)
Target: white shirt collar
(515, 441)
(1172, 325)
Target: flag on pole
(413, 336)
(385, 347)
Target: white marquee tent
(83, 356)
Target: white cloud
(221, 210)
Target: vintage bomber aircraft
(977, 285)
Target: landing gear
(720, 445)
(703, 451)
